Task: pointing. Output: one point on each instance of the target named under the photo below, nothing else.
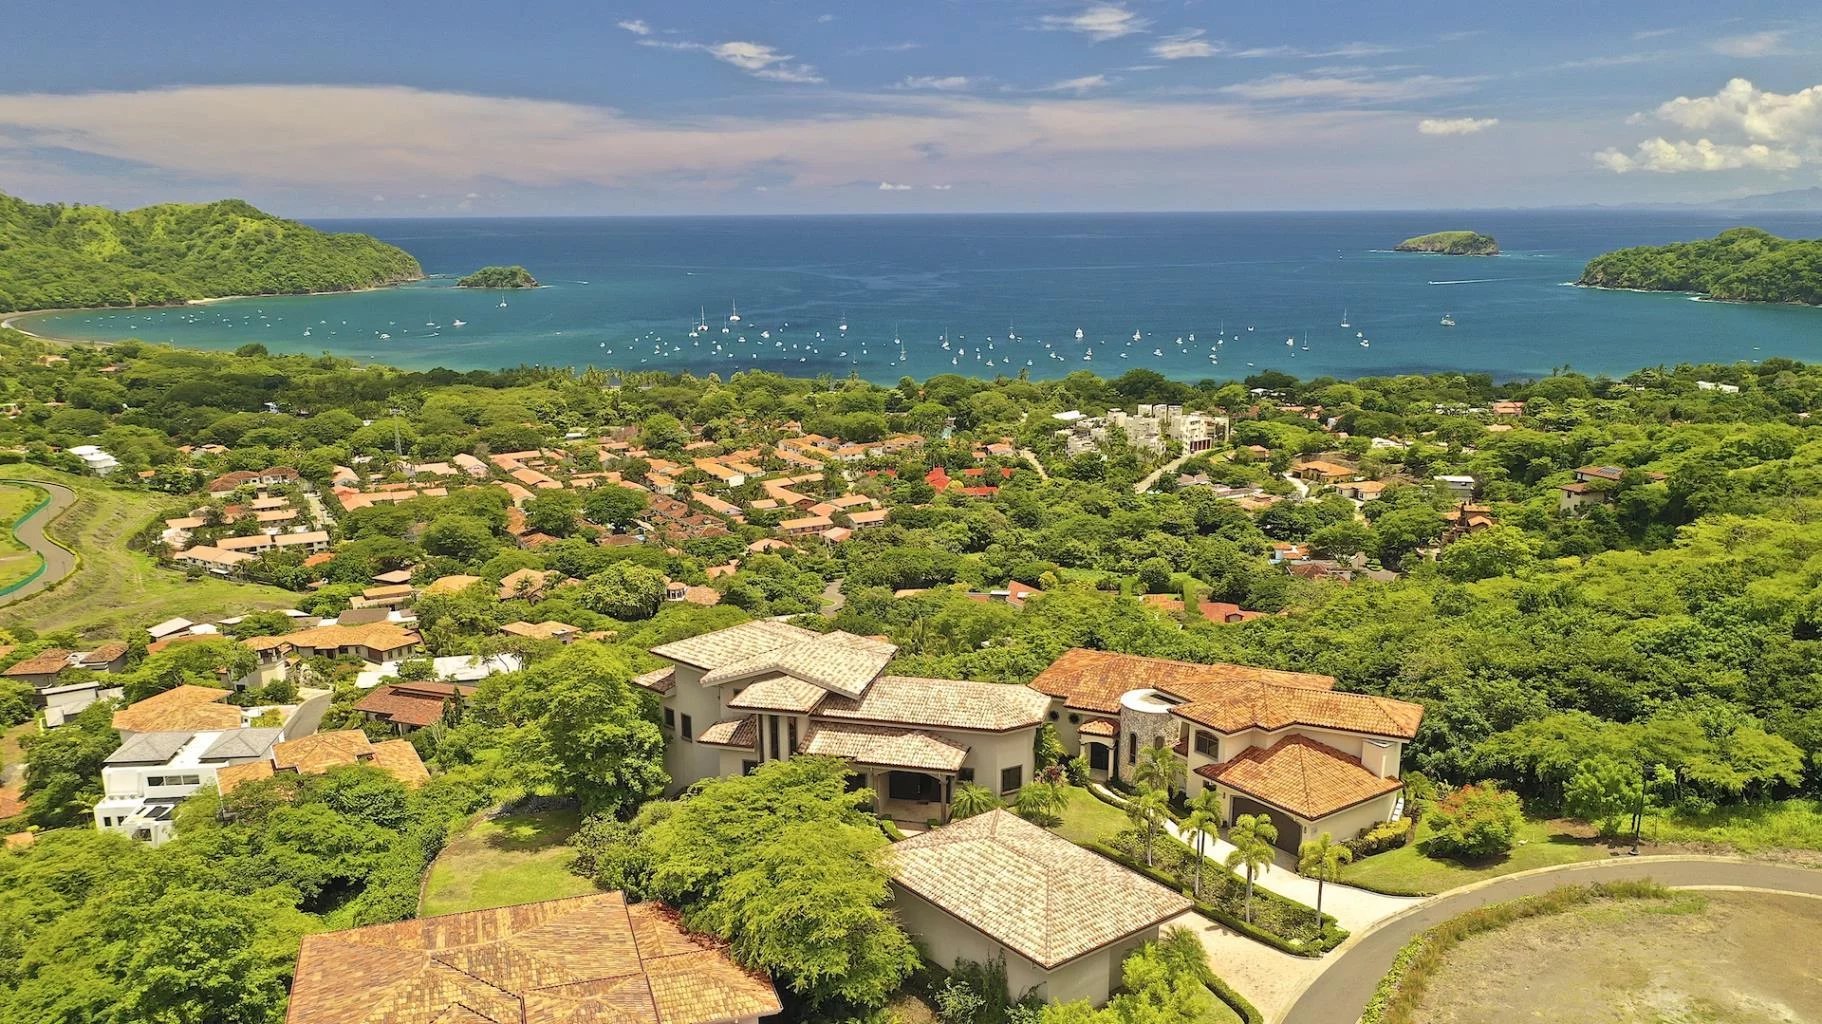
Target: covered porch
(1100, 739)
(911, 773)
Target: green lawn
(114, 590)
(1784, 824)
(501, 861)
(16, 560)
(1542, 844)
(1089, 818)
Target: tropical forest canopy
(499, 277)
(1740, 264)
(55, 256)
(1451, 243)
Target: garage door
(1290, 834)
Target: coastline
(1693, 296)
(10, 321)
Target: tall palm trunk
(1249, 894)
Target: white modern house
(997, 887)
(98, 462)
(1282, 744)
(763, 691)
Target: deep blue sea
(1209, 295)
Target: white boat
(502, 303)
(765, 334)
(1290, 343)
(459, 323)
(1157, 352)
(1089, 357)
(1344, 319)
(1363, 343)
(734, 315)
(1448, 320)
(702, 320)
(1078, 334)
(1192, 337)
(843, 326)
(1135, 335)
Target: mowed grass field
(16, 560)
(114, 590)
(505, 860)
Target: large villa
(1283, 744)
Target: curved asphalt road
(1340, 992)
(58, 562)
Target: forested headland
(56, 256)
(1738, 265)
(1451, 243)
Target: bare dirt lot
(1706, 958)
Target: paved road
(1341, 991)
(58, 563)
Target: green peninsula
(499, 277)
(55, 256)
(1739, 265)
(1451, 243)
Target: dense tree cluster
(1740, 264)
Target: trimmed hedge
(1332, 934)
(1398, 994)
(1235, 1001)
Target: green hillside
(499, 277)
(1451, 243)
(1740, 264)
(55, 256)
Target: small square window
(1012, 778)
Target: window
(1132, 749)
(748, 767)
(1012, 778)
(670, 719)
(1207, 745)
(689, 728)
(772, 751)
(1075, 719)
(792, 730)
(1054, 716)
(965, 775)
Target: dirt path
(59, 562)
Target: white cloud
(940, 83)
(314, 145)
(1654, 33)
(1099, 22)
(757, 59)
(1346, 89)
(942, 188)
(887, 186)
(636, 27)
(1079, 86)
(1758, 114)
(1184, 45)
(1455, 125)
(1753, 44)
(1343, 50)
(824, 19)
(1666, 157)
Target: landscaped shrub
(1278, 921)
(1475, 822)
(1387, 835)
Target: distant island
(1738, 265)
(499, 277)
(56, 256)
(1451, 243)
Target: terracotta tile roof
(183, 708)
(399, 759)
(839, 662)
(587, 959)
(45, 662)
(662, 680)
(317, 753)
(1297, 774)
(451, 584)
(732, 732)
(414, 705)
(380, 636)
(941, 704)
(1272, 707)
(736, 643)
(882, 747)
(1099, 727)
(778, 693)
(1029, 889)
(1094, 680)
(230, 777)
(549, 629)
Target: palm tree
(1040, 801)
(1321, 858)
(970, 800)
(1204, 815)
(1158, 768)
(1148, 811)
(1252, 837)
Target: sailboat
(702, 320)
(1448, 320)
(458, 323)
(1078, 334)
(1135, 335)
(1344, 319)
(734, 315)
(1306, 341)
(843, 326)
(502, 303)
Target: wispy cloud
(891, 186)
(1351, 50)
(1184, 45)
(1099, 22)
(1612, 61)
(942, 188)
(1346, 89)
(1654, 33)
(636, 27)
(940, 83)
(1753, 44)
(898, 47)
(1079, 86)
(757, 59)
(1455, 125)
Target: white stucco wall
(686, 760)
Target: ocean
(1208, 295)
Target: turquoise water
(625, 293)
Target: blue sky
(395, 109)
